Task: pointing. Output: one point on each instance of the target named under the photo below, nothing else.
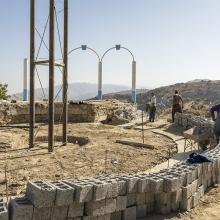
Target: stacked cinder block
(189, 121)
(125, 197)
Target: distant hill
(77, 91)
(198, 80)
(205, 91)
(123, 95)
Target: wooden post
(6, 182)
(51, 77)
(65, 73)
(32, 74)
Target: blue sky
(172, 40)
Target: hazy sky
(173, 40)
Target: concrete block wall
(188, 121)
(88, 111)
(125, 197)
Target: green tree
(3, 91)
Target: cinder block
(175, 206)
(194, 186)
(75, 210)
(110, 206)
(130, 213)
(156, 184)
(164, 209)
(112, 189)
(122, 187)
(3, 211)
(141, 211)
(141, 199)
(163, 198)
(121, 203)
(42, 213)
(131, 199)
(187, 191)
(20, 209)
(186, 204)
(201, 191)
(171, 184)
(95, 208)
(59, 212)
(143, 185)
(100, 190)
(83, 190)
(116, 216)
(64, 193)
(182, 175)
(176, 196)
(150, 207)
(104, 217)
(132, 183)
(41, 194)
(150, 197)
(195, 199)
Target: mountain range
(76, 91)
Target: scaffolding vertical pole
(51, 77)
(32, 74)
(65, 73)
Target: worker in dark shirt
(177, 104)
(215, 113)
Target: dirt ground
(101, 155)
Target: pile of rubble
(126, 197)
(123, 116)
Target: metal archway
(118, 47)
(85, 47)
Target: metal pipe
(133, 95)
(25, 80)
(65, 74)
(51, 77)
(100, 80)
(32, 74)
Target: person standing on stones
(177, 104)
(215, 113)
(152, 106)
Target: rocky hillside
(198, 95)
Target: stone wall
(125, 197)
(90, 111)
(188, 121)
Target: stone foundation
(126, 197)
(90, 111)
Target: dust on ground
(101, 155)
